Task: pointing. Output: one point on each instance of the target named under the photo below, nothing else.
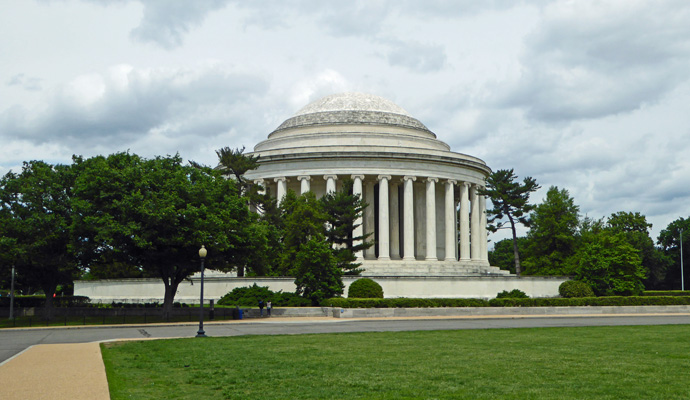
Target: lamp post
(682, 278)
(200, 332)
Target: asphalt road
(14, 341)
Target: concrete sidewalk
(55, 372)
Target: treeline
(614, 255)
(125, 216)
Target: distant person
(269, 306)
(261, 307)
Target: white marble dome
(352, 119)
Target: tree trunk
(516, 254)
(169, 298)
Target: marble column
(484, 249)
(358, 231)
(408, 218)
(394, 219)
(305, 185)
(464, 221)
(330, 183)
(370, 216)
(282, 188)
(431, 218)
(262, 189)
(450, 220)
(474, 229)
(384, 226)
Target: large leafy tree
(342, 209)
(635, 229)
(669, 240)
(35, 219)
(611, 265)
(510, 201)
(155, 214)
(552, 234)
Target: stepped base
(424, 268)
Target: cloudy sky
(590, 96)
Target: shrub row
(39, 301)
(250, 296)
(402, 303)
(508, 302)
(666, 293)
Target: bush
(365, 288)
(250, 296)
(402, 303)
(513, 294)
(569, 289)
(509, 302)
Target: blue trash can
(241, 313)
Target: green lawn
(641, 362)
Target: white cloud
(125, 106)
(593, 59)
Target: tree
(552, 234)
(35, 219)
(155, 214)
(509, 199)
(503, 255)
(635, 229)
(669, 240)
(317, 275)
(303, 219)
(342, 209)
(611, 266)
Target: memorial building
(424, 213)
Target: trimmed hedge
(365, 288)
(666, 293)
(509, 302)
(39, 301)
(513, 294)
(575, 289)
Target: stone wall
(152, 290)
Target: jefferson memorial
(424, 213)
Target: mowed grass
(637, 362)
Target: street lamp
(682, 278)
(200, 332)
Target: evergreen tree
(509, 199)
(343, 208)
(552, 234)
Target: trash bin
(241, 313)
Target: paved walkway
(55, 372)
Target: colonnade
(412, 218)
